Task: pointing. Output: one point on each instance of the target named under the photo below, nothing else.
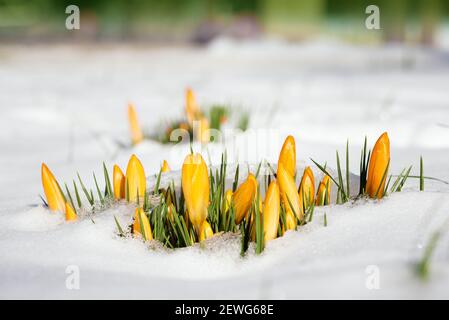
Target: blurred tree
(293, 17)
(393, 15)
(431, 11)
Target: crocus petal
(290, 196)
(195, 187)
(324, 192)
(228, 200)
(165, 167)
(307, 189)
(135, 179)
(70, 214)
(205, 231)
(291, 221)
(119, 181)
(271, 211)
(202, 131)
(140, 218)
(380, 157)
(243, 198)
(136, 130)
(287, 156)
(55, 198)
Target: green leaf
(78, 198)
(107, 182)
(421, 174)
(100, 196)
(158, 182)
(86, 193)
(119, 228)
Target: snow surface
(66, 106)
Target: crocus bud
(205, 231)
(378, 165)
(195, 187)
(136, 130)
(307, 189)
(271, 211)
(135, 179)
(228, 200)
(323, 194)
(165, 167)
(290, 196)
(243, 198)
(141, 221)
(119, 181)
(287, 156)
(192, 108)
(70, 214)
(55, 198)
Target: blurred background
(199, 21)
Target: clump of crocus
(136, 130)
(323, 194)
(287, 156)
(135, 179)
(307, 189)
(195, 187)
(119, 182)
(290, 197)
(165, 167)
(271, 211)
(378, 167)
(53, 193)
(142, 225)
(243, 198)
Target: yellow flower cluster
(282, 194)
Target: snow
(66, 106)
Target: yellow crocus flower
(271, 211)
(70, 214)
(287, 156)
(165, 167)
(192, 108)
(307, 189)
(380, 158)
(55, 198)
(140, 218)
(243, 198)
(136, 130)
(205, 231)
(119, 182)
(324, 192)
(290, 196)
(135, 179)
(195, 187)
